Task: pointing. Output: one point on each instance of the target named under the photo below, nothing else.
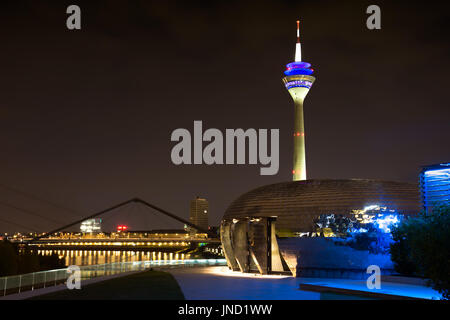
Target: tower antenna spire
(298, 46)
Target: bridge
(122, 204)
(107, 243)
(57, 239)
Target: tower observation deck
(298, 81)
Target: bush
(400, 250)
(8, 259)
(28, 261)
(51, 262)
(422, 247)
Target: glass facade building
(435, 185)
(198, 213)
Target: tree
(422, 247)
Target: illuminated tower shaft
(299, 164)
(298, 81)
(298, 86)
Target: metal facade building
(251, 224)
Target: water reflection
(91, 257)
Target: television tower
(298, 81)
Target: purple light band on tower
(298, 68)
(300, 64)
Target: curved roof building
(296, 203)
(252, 222)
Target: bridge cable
(28, 212)
(31, 196)
(17, 224)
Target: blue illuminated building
(435, 185)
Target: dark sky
(86, 116)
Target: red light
(122, 227)
(293, 171)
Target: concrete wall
(321, 257)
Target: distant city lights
(381, 217)
(383, 223)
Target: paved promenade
(218, 283)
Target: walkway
(218, 283)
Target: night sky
(86, 116)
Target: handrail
(42, 279)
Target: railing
(42, 279)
